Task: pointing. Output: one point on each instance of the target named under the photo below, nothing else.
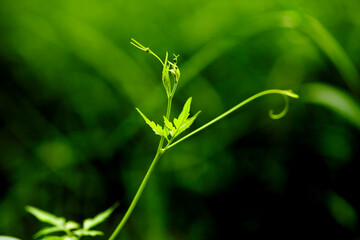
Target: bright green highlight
(8, 238)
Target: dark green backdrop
(72, 143)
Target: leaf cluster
(179, 124)
(67, 230)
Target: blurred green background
(72, 143)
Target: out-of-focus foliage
(69, 229)
(342, 211)
(8, 238)
(334, 99)
(72, 142)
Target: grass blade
(333, 98)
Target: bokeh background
(72, 143)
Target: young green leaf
(169, 126)
(184, 114)
(186, 124)
(175, 71)
(70, 225)
(155, 127)
(56, 238)
(92, 233)
(101, 217)
(45, 216)
(166, 77)
(48, 230)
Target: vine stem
(285, 93)
(161, 150)
(144, 182)
(137, 195)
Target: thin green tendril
(283, 112)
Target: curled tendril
(285, 93)
(145, 49)
(283, 112)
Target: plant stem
(138, 194)
(161, 150)
(260, 94)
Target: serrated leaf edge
(188, 122)
(155, 127)
(184, 113)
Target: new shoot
(169, 130)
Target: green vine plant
(61, 229)
(67, 230)
(170, 130)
